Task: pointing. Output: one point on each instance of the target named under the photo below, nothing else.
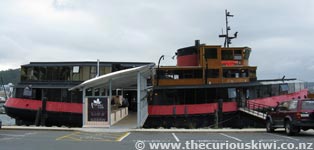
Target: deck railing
(256, 108)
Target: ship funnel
(197, 43)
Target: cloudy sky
(280, 33)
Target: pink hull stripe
(272, 101)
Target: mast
(226, 36)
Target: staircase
(255, 109)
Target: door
(280, 113)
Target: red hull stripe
(211, 107)
(190, 109)
(51, 106)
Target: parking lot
(35, 139)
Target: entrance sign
(97, 109)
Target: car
(293, 115)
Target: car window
(307, 105)
(283, 106)
(293, 105)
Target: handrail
(256, 108)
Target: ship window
(226, 55)
(93, 71)
(237, 55)
(264, 91)
(105, 70)
(89, 92)
(237, 52)
(275, 90)
(64, 74)
(179, 74)
(189, 96)
(76, 96)
(252, 73)
(200, 96)
(211, 53)
(247, 53)
(232, 93)
(213, 73)
(40, 73)
(71, 96)
(24, 74)
(53, 94)
(29, 73)
(27, 92)
(64, 96)
(76, 69)
(76, 73)
(284, 88)
(85, 73)
(51, 73)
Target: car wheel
(269, 127)
(290, 129)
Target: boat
(206, 87)
(42, 96)
(210, 83)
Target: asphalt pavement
(80, 140)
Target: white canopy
(126, 78)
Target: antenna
(226, 36)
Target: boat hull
(25, 112)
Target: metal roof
(231, 85)
(83, 63)
(120, 79)
(48, 85)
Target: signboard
(229, 62)
(97, 109)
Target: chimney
(197, 43)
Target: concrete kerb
(104, 130)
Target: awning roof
(126, 78)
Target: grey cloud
(279, 32)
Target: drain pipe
(97, 68)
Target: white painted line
(287, 137)
(31, 133)
(3, 139)
(13, 135)
(124, 136)
(231, 137)
(270, 140)
(175, 137)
